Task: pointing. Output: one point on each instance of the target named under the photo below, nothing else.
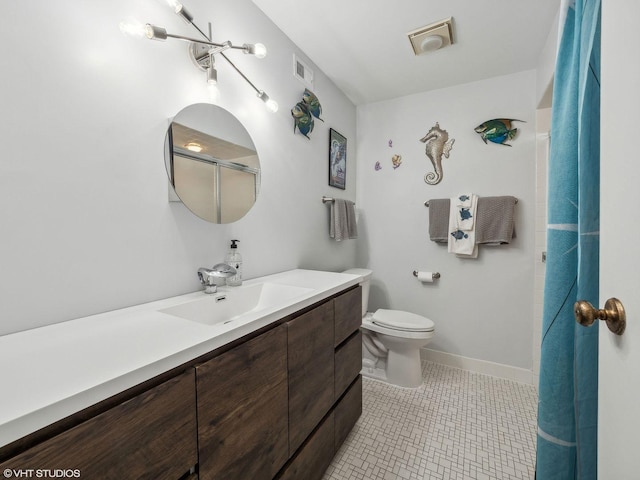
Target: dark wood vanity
(277, 403)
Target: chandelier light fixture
(203, 52)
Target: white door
(619, 361)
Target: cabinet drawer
(310, 357)
(348, 363)
(315, 455)
(242, 410)
(152, 435)
(348, 314)
(347, 412)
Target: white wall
(483, 308)
(86, 225)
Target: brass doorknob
(613, 313)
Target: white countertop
(51, 372)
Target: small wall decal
(377, 166)
(437, 143)
(302, 119)
(497, 130)
(396, 160)
(390, 143)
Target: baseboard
(516, 374)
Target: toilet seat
(402, 321)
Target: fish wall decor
(497, 130)
(437, 144)
(313, 103)
(396, 160)
(302, 119)
(304, 111)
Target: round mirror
(212, 163)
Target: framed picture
(337, 159)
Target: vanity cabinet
(242, 410)
(277, 403)
(325, 387)
(152, 435)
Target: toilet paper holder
(434, 276)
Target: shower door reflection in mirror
(216, 178)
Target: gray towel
(494, 216)
(439, 220)
(495, 222)
(342, 224)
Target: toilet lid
(399, 320)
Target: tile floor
(458, 425)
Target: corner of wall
(546, 65)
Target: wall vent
(302, 72)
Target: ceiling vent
(302, 72)
(432, 37)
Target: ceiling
(362, 46)
(213, 146)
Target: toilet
(391, 340)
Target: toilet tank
(365, 281)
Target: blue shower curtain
(568, 389)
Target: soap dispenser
(234, 259)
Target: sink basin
(235, 302)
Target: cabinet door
(311, 362)
(150, 436)
(242, 410)
(348, 312)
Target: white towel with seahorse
(461, 242)
(467, 204)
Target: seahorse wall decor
(437, 143)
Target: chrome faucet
(212, 278)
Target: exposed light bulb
(272, 105)
(257, 49)
(135, 29)
(214, 92)
(175, 5)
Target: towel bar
(426, 204)
(328, 199)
